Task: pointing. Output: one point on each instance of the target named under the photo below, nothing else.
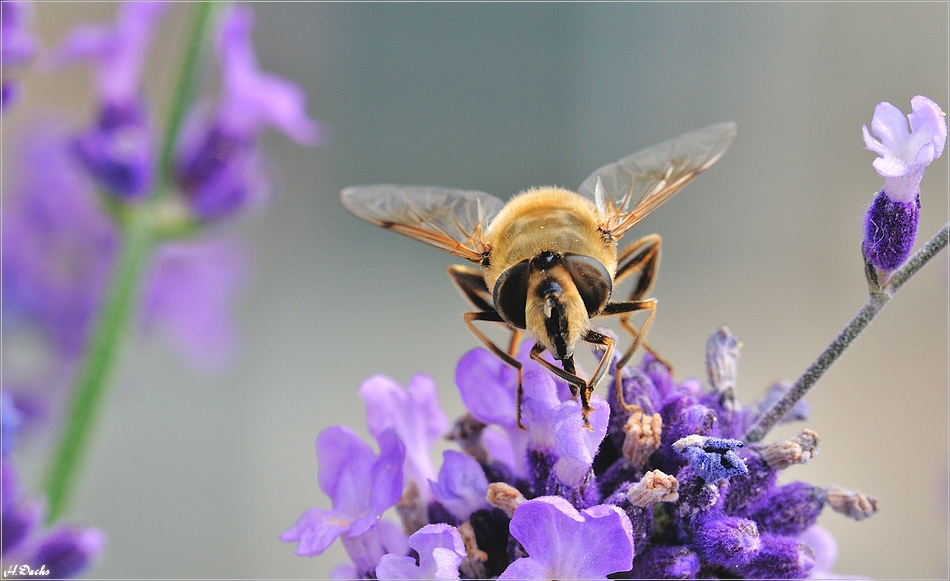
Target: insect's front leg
(471, 283)
(494, 317)
(569, 374)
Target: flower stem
(188, 81)
(101, 354)
(142, 226)
(871, 308)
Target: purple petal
(17, 45)
(575, 445)
(927, 113)
(440, 551)
(253, 99)
(462, 485)
(315, 531)
(118, 52)
(413, 413)
(386, 479)
(569, 544)
(537, 408)
(823, 547)
(368, 548)
(190, 295)
(344, 466)
(488, 386)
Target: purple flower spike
(440, 550)
(576, 445)
(462, 485)
(414, 414)
(890, 226)
(17, 45)
(713, 459)
(780, 558)
(68, 551)
(563, 543)
(190, 294)
(360, 486)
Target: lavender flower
(416, 417)
(583, 505)
(119, 150)
(890, 226)
(440, 551)
(361, 486)
(17, 46)
(563, 543)
(218, 166)
(63, 552)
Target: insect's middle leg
(642, 261)
(624, 309)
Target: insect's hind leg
(494, 317)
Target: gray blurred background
(196, 475)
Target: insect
(548, 258)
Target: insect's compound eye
(511, 294)
(591, 279)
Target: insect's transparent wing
(633, 187)
(451, 220)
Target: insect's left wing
(627, 190)
(451, 220)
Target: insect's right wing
(627, 190)
(451, 220)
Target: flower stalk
(143, 225)
(865, 315)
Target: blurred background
(197, 474)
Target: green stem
(188, 81)
(99, 363)
(142, 226)
(865, 315)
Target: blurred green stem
(871, 308)
(142, 225)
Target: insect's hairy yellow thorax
(546, 219)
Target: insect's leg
(471, 283)
(494, 317)
(642, 260)
(569, 374)
(622, 309)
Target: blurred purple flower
(440, 551)
(58, 248)
(119, 150)
(64, 552)
(416, 417)
(563, 543)
(17, 46)
(360, 485)
(217, 166)
(890, 226)
(189, 295)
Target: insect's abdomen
(546, 220)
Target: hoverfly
(548, 257)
